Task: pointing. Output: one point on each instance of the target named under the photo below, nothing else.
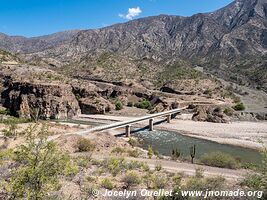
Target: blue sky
(39, 17)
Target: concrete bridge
(129, 123)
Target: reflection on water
(165, 141)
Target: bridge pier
(151, 124)
(169, 118)
(128, 131)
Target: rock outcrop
(52, 101)
(210, 114)
(97, 105)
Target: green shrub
(11, 131)
(115, 166)
(177, 179)
(158, 167)
(133, 153)
(228, 111)
(130, 104)
(85, 145)
(39, 166)
(258, 179)
(131, 179)
(239, 107)
(118, 150)
(219, 159)
(107, 184)
(133, 142)
(175, 154)
(150, 152)
(209, 183)
(118, 105)
(159, 181)
(144, 104)
(199, 172)
(4, 111)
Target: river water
(165, 141)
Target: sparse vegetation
(228, 111)
(258, 179)
(150, 152)
(133, 142)
(219, 159)
(172, 72)
(85, 145)
(131, 179)
(107, 184)
(158, 167)
(118, 150)
(39, 164)
(11, 131)
(133, 153)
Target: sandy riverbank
(244, 134)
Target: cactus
(192, 153)
(176, 154)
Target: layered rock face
(46, 100)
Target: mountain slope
(230, 42)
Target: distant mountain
(230, 42)
(22, 44)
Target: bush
(39, 165)
(130, 104)
(118, 150)
(107, 184)
(85, 145)
(209, 183)
(158, 167)
(133, 153)
(133, 142)
(131, 179)
(258, 179)
(159, 181)
(4, 111)
(11, 131)
(150, 152)
(228, 111)
(239, 107)
(118, 105)
(219, 159)
(145, 104)
(177, 179)
(175, 154)
(115, 165)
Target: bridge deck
(133, 121)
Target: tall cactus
(192, 153)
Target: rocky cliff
(45, 100)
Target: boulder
(54, 101)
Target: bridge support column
(169, 118)
(151, 124)
(128, 131)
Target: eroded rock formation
(52, 101)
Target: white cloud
(132, 12)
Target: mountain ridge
(226, 42)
